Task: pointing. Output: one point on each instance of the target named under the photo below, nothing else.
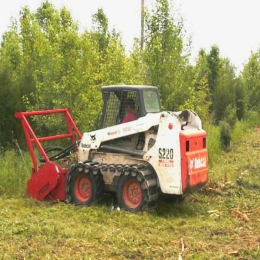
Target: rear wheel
(130, 194)
(84, 188)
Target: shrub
(252, 118)
(230, 116)
(239, 131)
(225, 135)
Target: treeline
(45, 63)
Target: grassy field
(222, 221)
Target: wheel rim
(83, 188)
(133, 194)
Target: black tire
(130, 194)
(84, 188)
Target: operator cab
(120, 99)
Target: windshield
(151, 101)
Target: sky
(232, 25)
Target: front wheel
(130, 194)
(84, 188)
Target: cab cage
(115, 98)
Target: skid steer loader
(153, 153)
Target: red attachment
(194, 160)
(48, 182)
(44, 181)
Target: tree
(214, 66)
(224, 100)
(135, 67)
(10, 98)
(251, 81)
(240, 99)
(199, 89)
(163, 54)
(100, 31)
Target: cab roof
(127, 87)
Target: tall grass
(239, 131)
(252, 119)
(213, 143)
(15, 172)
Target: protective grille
(119, 105)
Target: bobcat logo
(93, 137)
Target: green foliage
(252, 119)
(239, 131)
(214, 66)
(100, 33)
(224, 92)
(197, 97)
(163, 54)
(135, 67)
(213, 142)
(46, 63)
(10, 102)
(230, 116)
(251, 81)
(15, 172)
(240, 99)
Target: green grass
(222, 221)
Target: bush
(225, 135)
(239, 131)
(252, 118)
(230, 116)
